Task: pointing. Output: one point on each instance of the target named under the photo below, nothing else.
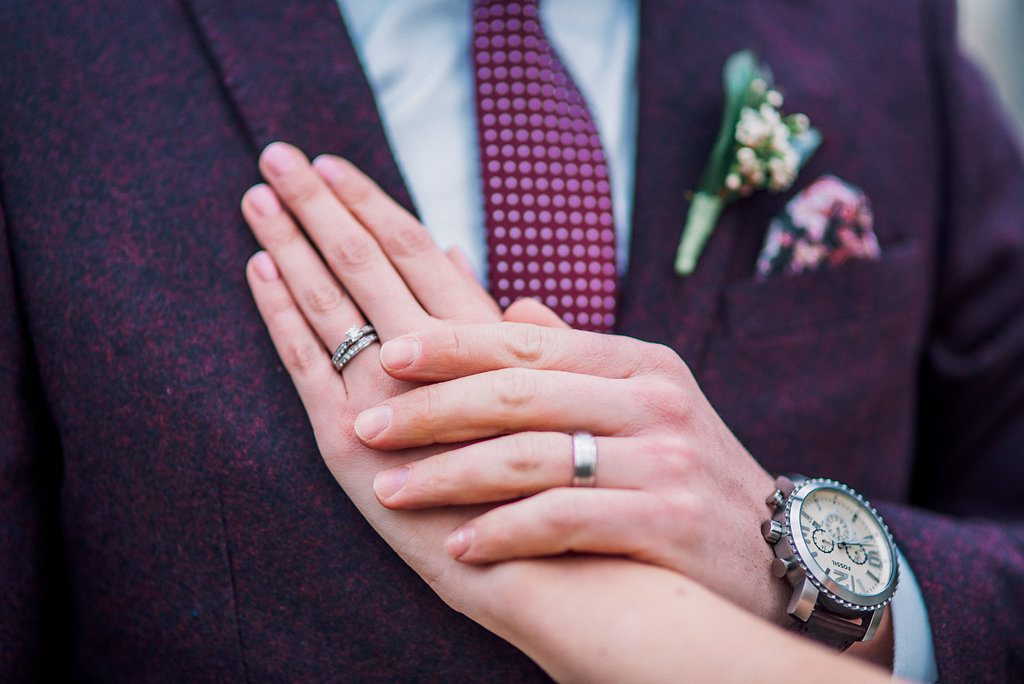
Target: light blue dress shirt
(416, 54)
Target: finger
(296, 343)
(351, 252)
(462, 265)
(432, 278)
(501, 402)
(606, 521)
(504, 468)
(323, 302)
(453, 351)
(531, 310)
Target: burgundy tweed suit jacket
(164, 513)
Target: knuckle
(426, 406)
(513, 388)
(672, 455)
(660, 399)
(441, 346)
(434, 482)
(352, 252)
(664, 358)
(649, 512)
(525, 458)
(526, 345)
(495, 534)
(355, 191)
(301, 357)
(298, 190)
(323, 298)
(275, 234)
(686, 506)
(570, 515)
(276, 305)
(406, 239)
(450, 342)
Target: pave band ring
(584, 459)
(356, 340)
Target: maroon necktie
(547, 197)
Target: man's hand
(674, 486)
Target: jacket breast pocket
(857, 293)
(817, 372)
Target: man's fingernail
(279, 158)
(265, 266)
(372, 422)
(459, 541)
(388, 482)
(399, 353)
(329, 168)
(264, 201)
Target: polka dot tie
(547, 199)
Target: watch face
(843, 543)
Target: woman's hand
(373, 251)
(674, 486)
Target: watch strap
(832, 629)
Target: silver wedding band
(356, 340)
(584, 459)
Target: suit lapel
(683, 46)
(292, 74)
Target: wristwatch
(837, 554)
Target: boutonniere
(757, 148)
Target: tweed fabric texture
(164, 513)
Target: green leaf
(739, 72)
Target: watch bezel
(828, 589)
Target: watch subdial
(837, 527)
(823, 541)
(856, 553)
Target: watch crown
(771, 530)
(780, 567)
(775, 499)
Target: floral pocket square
(827, 223)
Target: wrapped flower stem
(756, 148)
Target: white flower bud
(780, 139)
(769, 115)
(756, 177)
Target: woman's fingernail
(279, 158)
(459, 541)
(388, 482)
(372, 422)
(264, 201)
(329, 168)
(399, 353)
(265, 266)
